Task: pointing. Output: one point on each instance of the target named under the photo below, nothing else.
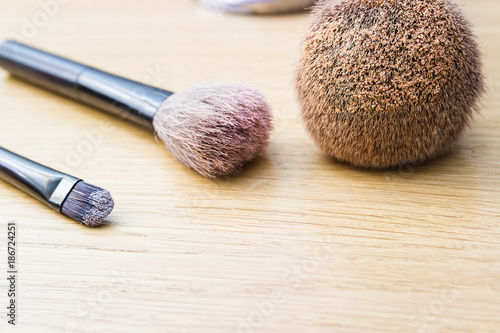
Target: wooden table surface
(296, 243)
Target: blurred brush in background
(258, 6)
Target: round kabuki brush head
(215, 129)
(384, 83)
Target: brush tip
(214, 129)
(88, 204)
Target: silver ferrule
(45, 184)
(124, 98)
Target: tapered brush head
(214, 129)
(386, 83)
(87, 204)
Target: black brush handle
(125, 98)
(45, 184)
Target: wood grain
(296, 243)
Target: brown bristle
(214, 129)
(386, 83)
(88, 204)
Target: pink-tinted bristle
(215, 129)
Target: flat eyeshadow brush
(214, 129)
(85, 203)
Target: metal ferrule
(124, 98)
(45, 184)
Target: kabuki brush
(388, 83)
(85, 203)
(214, 129)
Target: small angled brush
(214, 129)
(85, 203)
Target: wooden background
(296, 243)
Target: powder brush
(214, 129)
(384, 84)
(85, 203)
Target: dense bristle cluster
(385, 83)
(88, 204)
(214, 129)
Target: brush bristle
(88, 204)
(387, 83)
(214, 129)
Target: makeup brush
(214, 129)
(387, 83)
(85, 203)
(258, 6)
